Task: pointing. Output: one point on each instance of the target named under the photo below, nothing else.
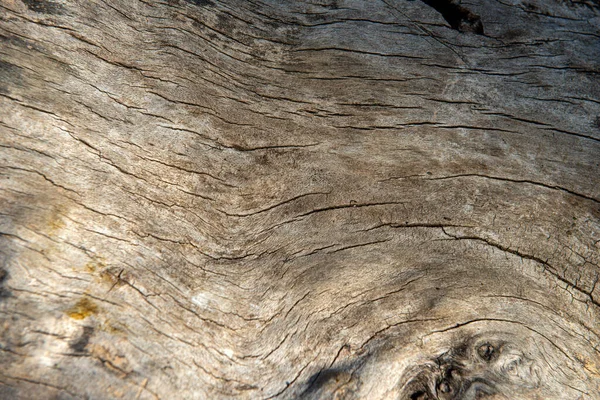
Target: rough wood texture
(348, 199)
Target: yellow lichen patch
(592, 368)
(589, 365)
(90, 267)
(114, 328)
(83, 309)
(55, 222)
(94, 265)
(109, 276)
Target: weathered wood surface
(291, 199)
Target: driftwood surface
(284, 199)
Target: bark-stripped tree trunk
(381, 199)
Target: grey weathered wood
(292, 199)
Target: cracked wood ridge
(299, 199)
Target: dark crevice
(459, 17)
(201, 3)
(44, 7)
(3, 291)
(79, 345)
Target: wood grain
(329, 199)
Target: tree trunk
(388, 199)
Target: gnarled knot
(473, 369)
(487, 352)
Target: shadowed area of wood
(326, 199)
